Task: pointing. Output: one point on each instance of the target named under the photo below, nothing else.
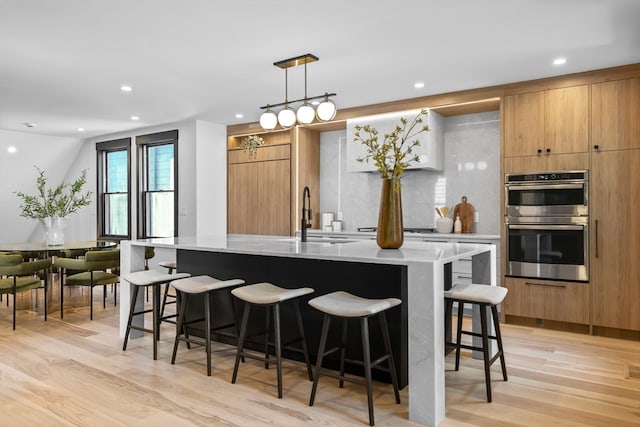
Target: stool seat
(169, 265)
(267, 293)
(477, 293)
(150, 277)
(344, 304)
(201, 284)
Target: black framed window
(157, 184)
(114, 189)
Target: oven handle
(548, 226)
(545, 284)
(576, 186)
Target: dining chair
(20, 276)
(96, 269)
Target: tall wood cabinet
(615, 197)
(264, 189)
(607, 143)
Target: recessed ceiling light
(239, 116)
(418, 85)
(80, 129)
(559, 61)
(135, 118)
(126, 88)
(29, 125)
(12, 149)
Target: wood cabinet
(615, 112)
(554, 121)
(615, 242)
(550, 300)
(264, 189)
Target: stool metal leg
(243, 331)
(366, 355)
(343, 348)
(391, 363)
(207, 331)
(496, 322)
(459, 333)
(156, 320)
(179, 326)
(323, 341)
(134, 297)
(267, 335)
(485, 349)
(305, 352)
(277, 340)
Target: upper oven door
(547, 199)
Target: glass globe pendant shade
(326, 110)
(287, 117)
(305, 114)
(268, 120)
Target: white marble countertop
(335, 250)
(372, 235)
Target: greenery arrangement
(60, 201)
(396, 152)
(251, 143)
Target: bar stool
(484, 296)
(171, 267)
(153, 279)
(347, 307)
(199, 285)
(270, 296)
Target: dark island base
(362, 279)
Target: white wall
(52, 154)
(211, 179)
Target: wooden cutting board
(466, 211)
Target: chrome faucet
(306, 213)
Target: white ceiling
(62, 62)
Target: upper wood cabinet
(554, 121)
(262, 187)
(615, 115)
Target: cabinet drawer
(271, 152)
(463, 266)
(551, 300)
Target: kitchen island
(416, 273)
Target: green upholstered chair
(94, 270)
(20, 276)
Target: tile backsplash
(472, 169)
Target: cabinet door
(523, 124)
(615, 242)
(242, 209)
(567, 120)
(550, 163)
(273, 209)
(615, 114)
(550, 300)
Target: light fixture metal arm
(298, 100)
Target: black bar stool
(270, 296)
(203, 286)
(484, 296)
(171, 267)
(346, 306)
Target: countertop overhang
(355, 251)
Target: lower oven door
(548, 251)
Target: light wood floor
(73, 372)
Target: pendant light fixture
(305, 114)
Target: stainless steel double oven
(547, 225)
